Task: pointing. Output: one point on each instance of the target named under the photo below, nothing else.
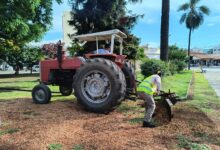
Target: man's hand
(158, 92)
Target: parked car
(36, 68)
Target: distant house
(205, 59)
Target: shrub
(149, 67)
(181, 65)
(172, 67)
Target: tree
(176, 53)
(164, 36)
(31, 56)
(14, 58)
(49, 50)
(23, 21)
(99, 15)
(177, 58)
(193, 17)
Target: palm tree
(164, 36)
(193, 17)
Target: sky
(148, 28)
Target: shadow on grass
(18, 76)
(14, 88)
(31, 81)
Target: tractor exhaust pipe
(59, 54)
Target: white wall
(67, 29)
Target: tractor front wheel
(41, 94)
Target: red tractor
(99, 81)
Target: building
(205, 59)
(152, 53)
(216, 50)
(67, 29)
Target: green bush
(172, 67)
(149, 66)
(181, 65)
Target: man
(106, 50)
(146, 89)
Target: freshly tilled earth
(68, 124)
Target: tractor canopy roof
(105, 35)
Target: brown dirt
(68, 124)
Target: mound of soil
(162, 114)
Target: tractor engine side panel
(46, 66)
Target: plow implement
(165, 101)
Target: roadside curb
(189, 87)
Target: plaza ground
(64, 123)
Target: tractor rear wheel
(99, 85)
(129, 73)
(66, 90)
(41, 94)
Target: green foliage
(150, 66)
(172, 67)
(193, 15)
(22, 21)
(25, 20)
(181, 65)
(14, 58)
(90, 16)
(184, 142)
(55, 147)
(75, 49)
(9, 131)
(176, 53)
(177, 58)
(31, 55)
(78, 147)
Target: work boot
(148, 125)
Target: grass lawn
(25, 83)
(206, 102)
(204, 97)
(177, 83)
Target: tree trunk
(31, 69)
(164, 34)
(189, 44)
(16, 70)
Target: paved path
(213, 76)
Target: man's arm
(158, 83)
